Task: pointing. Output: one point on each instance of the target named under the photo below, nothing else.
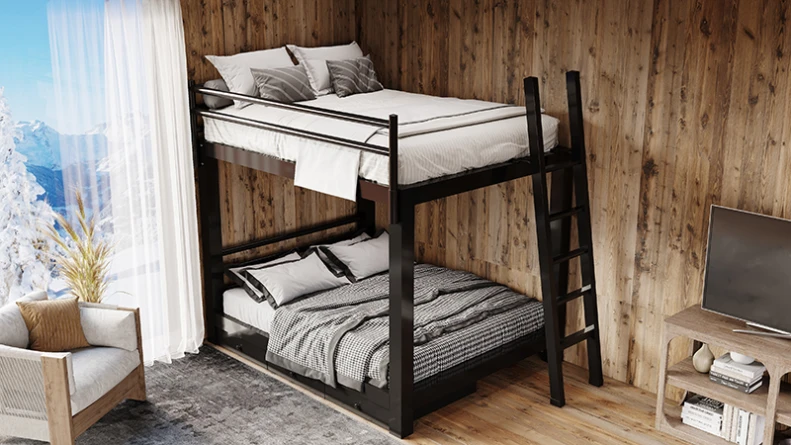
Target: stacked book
(704, 414)
(745, 378)
(725, 421)
(742, 427)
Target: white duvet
(437, 137)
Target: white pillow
(13, 330)
(347, 242)
(235, 70)
(363, 259)
(237, 274)
(110, 327)
(288, 281)
(315, 61)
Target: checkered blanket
(341, 336)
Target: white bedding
(239, 305)
(437, 136)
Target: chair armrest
(112, 326)
(16, 364)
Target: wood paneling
(688, 104)
(256, 204)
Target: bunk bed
(225, 135)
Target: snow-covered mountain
(43, 146)
(39, 143)
(51, 156)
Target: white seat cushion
(97, 371)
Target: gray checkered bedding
(457, 347)
(341, 336)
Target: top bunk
(438, 136)
(442, 145)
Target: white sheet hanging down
(437, 136)
(328, 169)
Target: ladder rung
(560, 166)
(566, 213)
(571, 340)
(563, 299)
(569, 256)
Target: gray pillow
(287, 85)
(214, 102)
(353, 76)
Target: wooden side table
(773, 402)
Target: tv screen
(748, 268)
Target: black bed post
(402, 290)
(366, 211)
(208, 182)
(549, 283)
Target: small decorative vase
(703, 359)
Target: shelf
(684, 376)
(774, 396)
(715, 329)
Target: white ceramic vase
(703, 359)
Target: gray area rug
(211, 398)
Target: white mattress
(423, 154)
(239, 305)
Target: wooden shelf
(716, 329)
(772, 400)
(684, 376)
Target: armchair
(55, 397)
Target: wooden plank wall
(256, 204)
(688, 104)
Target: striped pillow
(353, 76)
(287, 85)
(54, 325)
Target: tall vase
(703, 359)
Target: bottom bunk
(466, 328)
(430, 394)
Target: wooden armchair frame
(64, 428)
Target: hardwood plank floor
(511, 407)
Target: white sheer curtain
(147, 163)
(76, 36)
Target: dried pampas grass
(85, 261)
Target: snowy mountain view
(35, 162)
(54, 165)
(50, 156)
(60, 135)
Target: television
(748, 268)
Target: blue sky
(25, 65)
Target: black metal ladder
(569, 199)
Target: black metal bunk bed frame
(404, 401)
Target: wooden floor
(512, 407)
